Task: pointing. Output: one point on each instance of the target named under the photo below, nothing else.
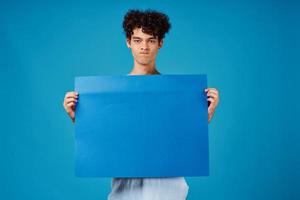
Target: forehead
(137, 32)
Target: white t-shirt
(170, 188)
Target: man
(145, 31)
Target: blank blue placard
(141, 126)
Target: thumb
(72, 114)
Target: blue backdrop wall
(248, 49)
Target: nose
(144, 45)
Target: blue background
(249, 50)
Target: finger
(211, 100)
(70, 104)
(71, 95)
(214, 101)
(67, 103)
(71, 99)
(212, 90)
(210, 109)
(212, 94)
(74, 97)
(67, 99)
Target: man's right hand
(70, 101)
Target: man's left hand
(213, 98)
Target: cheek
(134, 51)
(154, 52)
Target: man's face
(144, 47)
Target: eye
(136, 41)
(152, 41)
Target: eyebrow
(135, 37)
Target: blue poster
(141, 126)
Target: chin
(145, 63)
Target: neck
(140, 69)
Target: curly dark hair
(152, 22)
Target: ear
(128, 43)
(161, 43)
